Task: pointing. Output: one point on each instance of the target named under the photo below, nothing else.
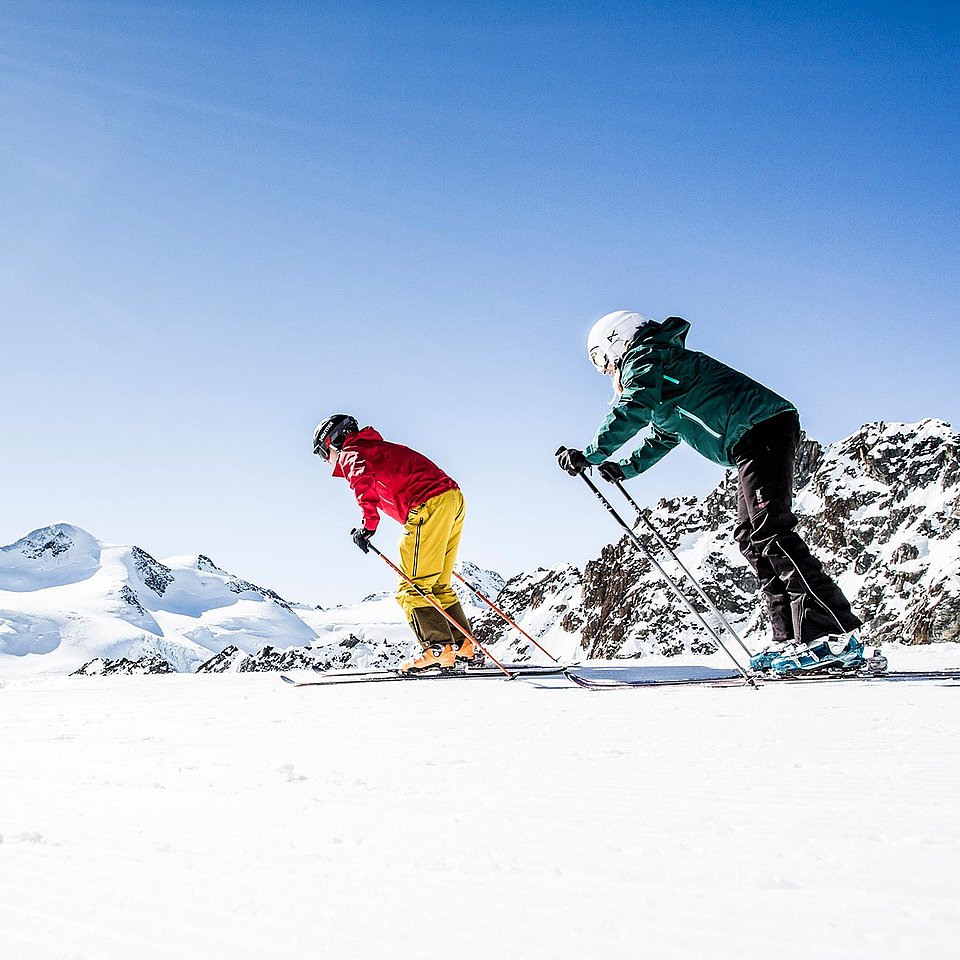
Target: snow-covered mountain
(67, 599)
(881, 509)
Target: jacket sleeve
(641, 396)
(364, 485)
(651, 451)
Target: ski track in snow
(236, 817)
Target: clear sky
(220, 222)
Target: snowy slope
(235, 817)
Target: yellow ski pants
(428, 551)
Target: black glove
(573, 461)
(611, 471)
(361, 537)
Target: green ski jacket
(682, 395)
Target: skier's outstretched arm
(634, 410)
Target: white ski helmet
(610, 336)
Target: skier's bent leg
(773, 588)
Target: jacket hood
(671, 332)
(367, 433)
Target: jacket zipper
(696, 419)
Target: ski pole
(495, 608)
(638, 543)
(435, 604)
(641, 516)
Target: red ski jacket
(388, 476)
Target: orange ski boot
(468, 653)
(440, 657)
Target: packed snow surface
(233, 816)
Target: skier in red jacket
(415, 492)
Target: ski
(607, 678)
(381, 676)
(734, 680)
(895, 676)
(600, 679)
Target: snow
(233, 816)
(67, 598)
(49, 557)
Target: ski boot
(761, 661)
(821, 657)
(469, 654)
(440, 657)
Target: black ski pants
(804, 603)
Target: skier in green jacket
(733, 420)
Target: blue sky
(220, 222)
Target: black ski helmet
(330, 433)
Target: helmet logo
(331, 432)
(609, 338)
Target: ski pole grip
(370, 546)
